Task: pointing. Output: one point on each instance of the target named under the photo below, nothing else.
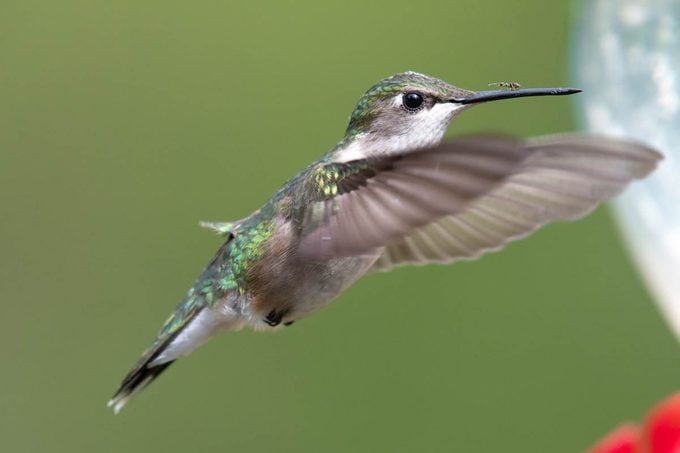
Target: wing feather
(377, 201)
(564, 178)
(463, 197)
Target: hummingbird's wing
(565, 178)
(463, 197)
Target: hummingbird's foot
(275, 317)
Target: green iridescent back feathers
(226, 272)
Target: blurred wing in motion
(463, 197)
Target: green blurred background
(123, 123)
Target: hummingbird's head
(406, 110)
(411, 110)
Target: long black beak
(496, 95)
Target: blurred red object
(659, 434)
(621, 440)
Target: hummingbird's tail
(141, 376)
(191, 325)
(157, 357)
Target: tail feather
(180, 334)
(134, 382)
(147, 368)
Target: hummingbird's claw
(275, 317)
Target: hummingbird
(389, 193)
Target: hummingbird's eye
(412, 101)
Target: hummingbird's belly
(298, 289)
(284, 287)
(329, 280)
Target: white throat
(425, 129)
